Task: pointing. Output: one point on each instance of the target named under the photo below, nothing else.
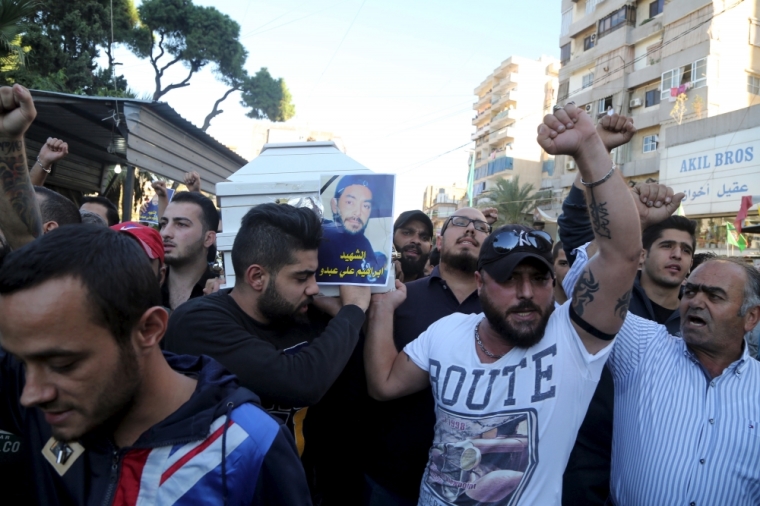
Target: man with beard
(188, 228)
(264, 330)
(402, 430)
(413, 239)
(104, 416)
(511, 385)
(351, 208)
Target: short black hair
(651, 234)
(111, 212)
(701, 258)
(435, 256)
(55, 207)
(112, 266)
(555, 250)
(209, 213)
(269, 235)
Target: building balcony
(481, 132)
(509, 80)
(480, 118)
(482, 101)
(644, 31)
(498, 101)
(505, 117)
(498, 137)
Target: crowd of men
(502, 368)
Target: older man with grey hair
(687, 412)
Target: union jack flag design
(191, 474)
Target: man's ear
(256, 277)
(334, 205)
(209, 239)
(151, 328)
(479, 280)
(751, 319)
(49, 226)
(438, 240)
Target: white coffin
(282, 171)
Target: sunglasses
(464, 221)
(508, 240)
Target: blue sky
(393, 78)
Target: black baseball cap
(408, 216)
(351, 180)
(510, 245)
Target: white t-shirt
(503, 431)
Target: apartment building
(510, 103)
(662, 62)
(667, 64)
(440, 202)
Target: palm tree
(514, 202)
(11, 14)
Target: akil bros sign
(714, 173)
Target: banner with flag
(747, 202)
(734, 238)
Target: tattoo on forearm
(599, 217)
(8, 147)
(584, 291)
(621, 308)
(17, 188)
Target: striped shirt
(680, 437)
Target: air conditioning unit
(588, 108)
(570, 165)
(635, 102)
(593, 37)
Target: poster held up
(357, 229)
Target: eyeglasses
(464, 221)
(508, 240)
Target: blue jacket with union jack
(220, 447)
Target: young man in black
(413, 239)
(265, 331)
(188, 228)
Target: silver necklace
(480, 343)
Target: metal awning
(104, 131)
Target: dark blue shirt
(349, 258)
(402, 429)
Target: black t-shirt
(401, 431)
(197, 289)
(298, 372)
(661, 314)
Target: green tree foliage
(177, 32)
(514, 201)
(64, 39)
(263, 96)
(11, 14)
(268, 98)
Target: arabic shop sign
(714, 173)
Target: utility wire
(337, 48)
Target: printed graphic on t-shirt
(481, 459)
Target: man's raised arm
(601, 296)
(19, 213)
(390, 374)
